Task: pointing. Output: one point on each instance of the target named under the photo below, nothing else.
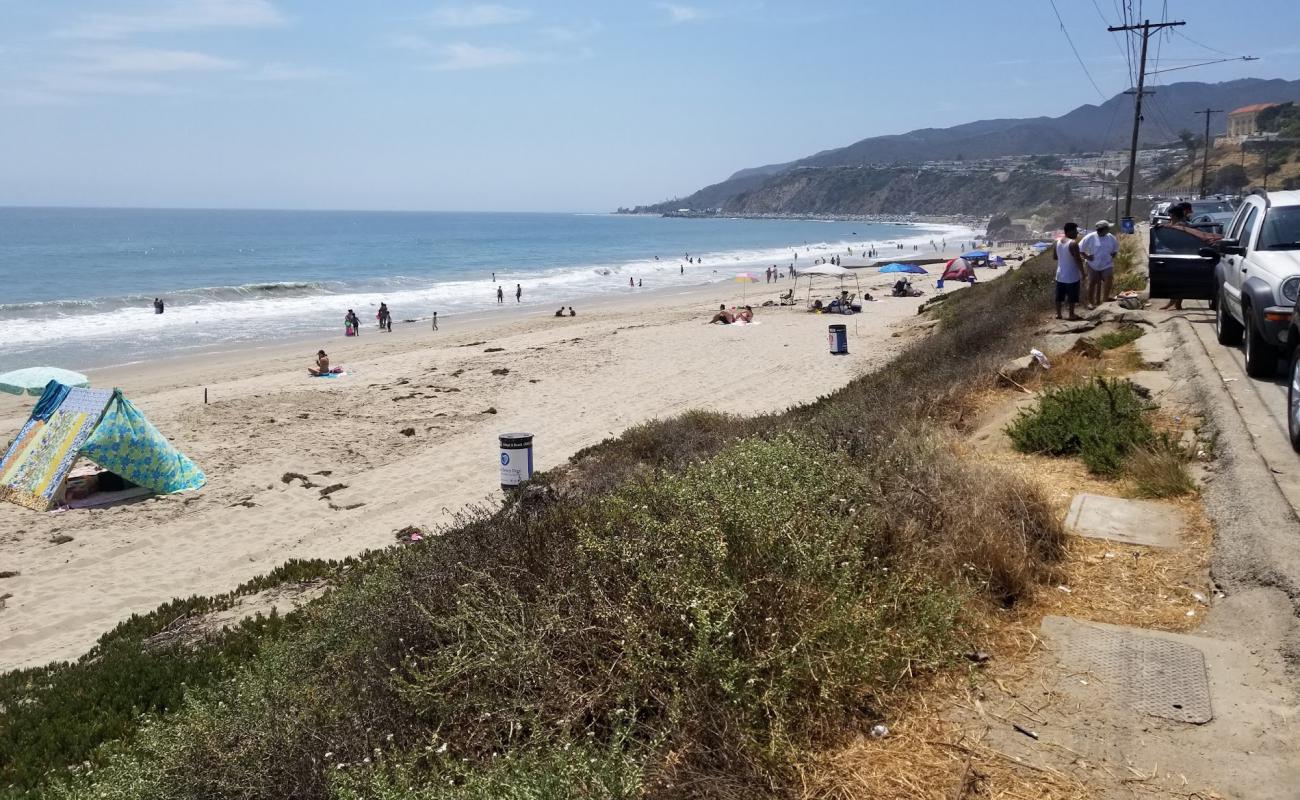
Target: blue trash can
(516, 459)
(839, 340)
(1126, 225)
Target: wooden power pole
(1205, 161)
(1146, 28)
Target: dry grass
(943, 741)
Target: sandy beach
(410, 433)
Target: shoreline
(269, 319)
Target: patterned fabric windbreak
(127, 444)
(39, 460)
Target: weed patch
(1100, 421)
(1119, 338)
(1160, 469)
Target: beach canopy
(912, 269)
(976, 254)
(100, 425)
(827, 269)
(32, 380)
(1041, 245)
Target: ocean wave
(214, 314)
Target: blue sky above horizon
(534, 104)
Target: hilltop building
(1244, 121)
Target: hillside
(1088, 128)
(868, 190)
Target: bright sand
(572, 382)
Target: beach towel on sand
(129, 445)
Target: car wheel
(1227, 329)
(1261, 357)
(1293, 401)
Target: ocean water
(77, 285)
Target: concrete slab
(1156, 348)
(1141, 522)
(1154, 675)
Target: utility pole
(1146, 27)
(1205, 162)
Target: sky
(536, 105)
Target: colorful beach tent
(958, 270)
(33, 380)
(100, 425)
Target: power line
(1076, 51)
(1204, 63)
(1206, 46)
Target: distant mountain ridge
(1088, 128)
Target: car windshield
(1281, 229)
(1213, 207)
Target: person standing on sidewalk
(1069, 270)
(1099, 248)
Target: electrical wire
(1075, 50)
(1206, 46)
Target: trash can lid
(515, 438)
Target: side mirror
(1209, 252)
(1231, 247)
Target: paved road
(1262, 404)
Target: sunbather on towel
(322, 365)
(747, 315)
(723, 316)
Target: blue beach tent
(911, 269)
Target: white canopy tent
(828, 271)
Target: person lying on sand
(747, 315)
(723, 316)
(322, 365)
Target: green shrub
(579, 772)
(1101, 421)
(1119, 338)
(56, 715)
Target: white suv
(1258, 279)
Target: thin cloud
(461, 56)
(277, 71)
(477, 15)
(148, 61)
(570, 34)
(679, 14)
(182, 15)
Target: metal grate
(1149, 674)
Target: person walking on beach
(1069, 270)
(494, 277)
(519, 293)
(385, 318)
(631, 284)
(1099, 248)
(435, 320)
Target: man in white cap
(1099, 249)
